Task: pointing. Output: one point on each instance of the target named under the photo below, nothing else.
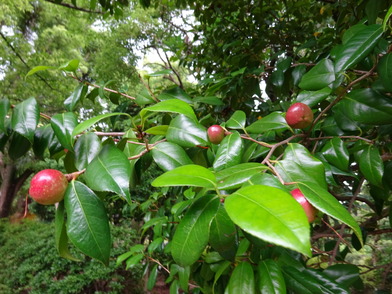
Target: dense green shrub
(32, 264)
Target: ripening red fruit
(310, 211)
(48, 186)
(299, 116)
(215, 134)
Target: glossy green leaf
(169, 156)
(233, 177)
(386, 18)
(19, 146)
(242, 280)
(71, 65)
(229, 152)
(271, 280)
(25, 117)
(322, 200)
(319, 77)
(371, 165)
(110, 171)
(63, 125)
(366, 106)
(312, 98)
(187, 175)
(5, 106)
(310, 282)
(152, 278)
(175, 93)
(87, 147)
(171, 105)
(158, 130)
(90, 122)
(280, 219)
(267, 180)
(87, 222)
(61, 236)
(336, 153)
(186, 132)
(384, 69)
(357, 47)
(298, 73)
(299, 164)
(38, 68)
(77, 96)
(273, 121)
(144, 97)
(223, 234)
(211, 100)
(237, 120)
(344, 274)
(192, 234)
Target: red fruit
(299, 116)
(215, 134)
(310, 211)
(48, 186)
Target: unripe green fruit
(310, 211)
(215, 134)
(299, 116)
(48, 186)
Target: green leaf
(233, 177)
(110, 171)
(287, 223)
(90, 122)
(172, 105)
(87, 147)
(386, 18)
(321, 199)
(187, 175)
(344, 274)
(61, 236)
(63, 124)
(186, 132)
(158, 130)
(310, 282)
(25, 117)
(192, 234)
(237, 120)
(366, 106)
(371, 165)
(336, 153)
(384, 69)
(211, 100)
(242, 280)
(299, 164)
(229, 152)
(4, 108)
(71, 65)
(19, 146)
(175, 93)
(319, 77)
(87, 222)
(273, 121)
(78, 94)
(312, 98)
(144, 97)
(152, 278)
(38, 68)
(357, 47)
(223, 234)
(169, 156)
(271, 280)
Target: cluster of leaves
(32, 264)
(223, 219)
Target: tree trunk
(10, 184)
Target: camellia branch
(105, 88)
(73, 7)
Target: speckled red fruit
(299, 116)
(215, 134)
(48, 186)
(310, 211)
